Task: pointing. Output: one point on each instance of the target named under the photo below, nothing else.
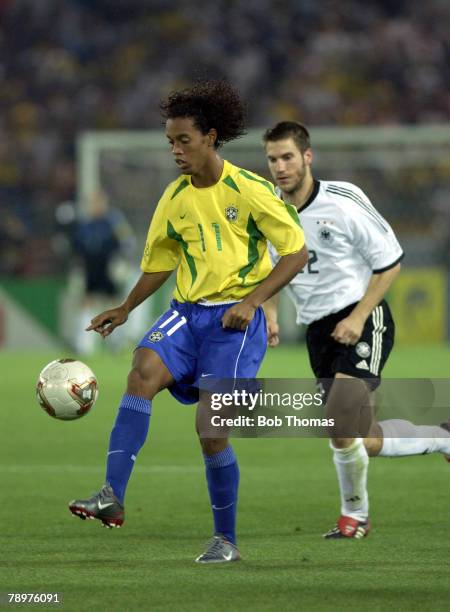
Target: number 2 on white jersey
(312, 260)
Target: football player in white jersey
(354, 258)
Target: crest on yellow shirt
(231, 213)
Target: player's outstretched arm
(240, 315)
(106, 322)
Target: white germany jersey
(348, 241)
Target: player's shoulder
(246, 181)
(352, 203)
(174, 188)
(343, 192)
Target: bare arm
(271, 307)
(240, 315)
(349, 330)
(106, 322)
(271, 312)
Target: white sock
(401, 438)
(351, 467)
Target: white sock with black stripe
(402, 438)
(351, 466)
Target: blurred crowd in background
(73, 65)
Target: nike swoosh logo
(103, 506)
(228, 556)
(222, 507)
(204, 375)
(182, 216)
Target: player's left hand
(349, 330)
(238, 316)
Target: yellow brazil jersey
(216, 236)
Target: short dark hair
(289, 129)
(211, 104)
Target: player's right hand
(273, 329)
(106, 322)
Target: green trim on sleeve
(293, 213)
(251, 177)
(179, 238)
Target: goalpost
(403, 169)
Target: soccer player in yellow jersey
(211, 225)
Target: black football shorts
(365, 359)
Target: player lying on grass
(212, 226)
(354, 257)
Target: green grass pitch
(288, 498)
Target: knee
(341, 442)
(212, 446)
(148, 375)
(374, 442)
(373, 446)
(141, 382)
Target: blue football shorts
(193, 345)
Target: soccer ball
(66, 389)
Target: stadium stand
(104, 64)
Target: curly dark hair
(211, 104)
